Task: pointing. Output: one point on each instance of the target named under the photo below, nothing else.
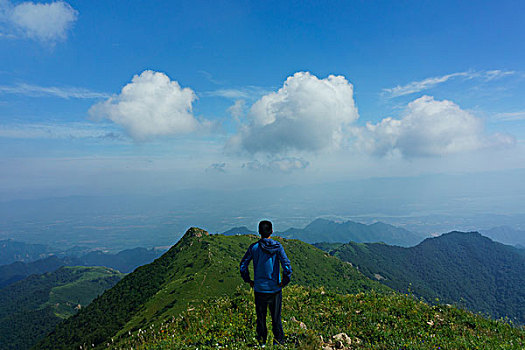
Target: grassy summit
(313, 316)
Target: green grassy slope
(311, 317)
(463, 268)
(31, 308)
(326, 246)
(199, 266)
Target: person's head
(265, 228)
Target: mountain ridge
(457, 267)
(198, 266)
(323, 230)
(505, 235)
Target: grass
(312, 316)
(91, 282)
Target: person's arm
(287, 267)
(245, 262)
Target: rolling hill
(467, 269)
(124, 261)
(31, 308)
(198, 267)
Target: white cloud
(285, 165)
(210, 77)
(417, 86)
(62, 92)
(48, 22)
(429, 128)
(249, 92)
(428, 83)
(306, 114)
(237, 109)
(229, 93)
(510, 116)
(496, 74)
(151, 105)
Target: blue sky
(123, 96)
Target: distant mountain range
(322, 230)
(11, 251)
(31, 308)
(506, 235)
(124, 261)
(467, 269)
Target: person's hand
(251, 284)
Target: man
(267, 284)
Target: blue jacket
(266, 255)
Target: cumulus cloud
(306, 114)
(285, 165)
(151, 105)
(48, 22)
(237, 109)
(429, 128)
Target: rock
(301, 324)
(343, 338)
(339, 341)
(378, 277)
(196, 232)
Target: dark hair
(265, 228)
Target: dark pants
(263, 301)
